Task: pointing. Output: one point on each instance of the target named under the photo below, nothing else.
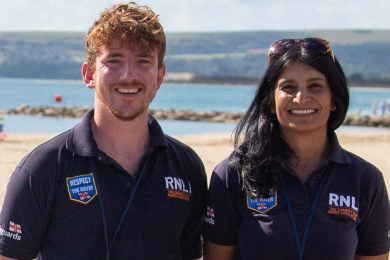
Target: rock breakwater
(167, 114)
(187, 115)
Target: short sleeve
(374, 230)
(22, 222)
(221, 221)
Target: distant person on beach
(382, 107)
(289, 190)
(374, 107)
(388, 106)
(1, 127)
(114, 186)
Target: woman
(289, 191)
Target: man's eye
(144, 61)
(113, 61)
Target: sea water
(16, 92)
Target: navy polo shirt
(352, 213)
(53, 209)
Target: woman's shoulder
(365, 171)
(226, 172)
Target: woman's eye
(316, 87)
(288, 88)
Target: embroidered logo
(343, 205)
(82, 188)
(209, 216)
(177, 188)
(12, 234)
(262, 205)
(16, 228)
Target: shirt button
(128, 185)
(311, 183)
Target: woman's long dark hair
(256, 156)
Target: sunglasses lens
(316, 44)
(311, 44)
(282, 46)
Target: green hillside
(364, 54)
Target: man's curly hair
(128, 22)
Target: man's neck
(125, 141)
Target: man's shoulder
(47, 153)
(178, 146)
(184, 153)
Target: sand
(212, 148)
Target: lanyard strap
(301, 248)
(109, 246)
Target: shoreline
(184, 115)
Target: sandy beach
(212, 148)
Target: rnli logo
(82, 188)
(343, 205)
(177, 188)
(262, 205)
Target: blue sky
(203, 15)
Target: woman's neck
(310, 149)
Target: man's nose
(129, 71)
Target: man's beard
(117, 113)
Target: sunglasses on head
(311, 44)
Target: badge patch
(82, 188)
(262, 205)
(177, 188)
(16, 228)
(209, 216)
(343, 205)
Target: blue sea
(16, 92)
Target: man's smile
(128, 91)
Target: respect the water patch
(82, 188)
(262, 205)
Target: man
(114, 186)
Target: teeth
(128, 91)
(302, 112)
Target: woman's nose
(302, 97)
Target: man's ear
(88, 73)
(160, 75)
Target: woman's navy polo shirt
(352, 215)
(52, 205)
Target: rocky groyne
(167, 114)
(187, 115)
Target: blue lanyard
(301, 248)
(109, 246)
